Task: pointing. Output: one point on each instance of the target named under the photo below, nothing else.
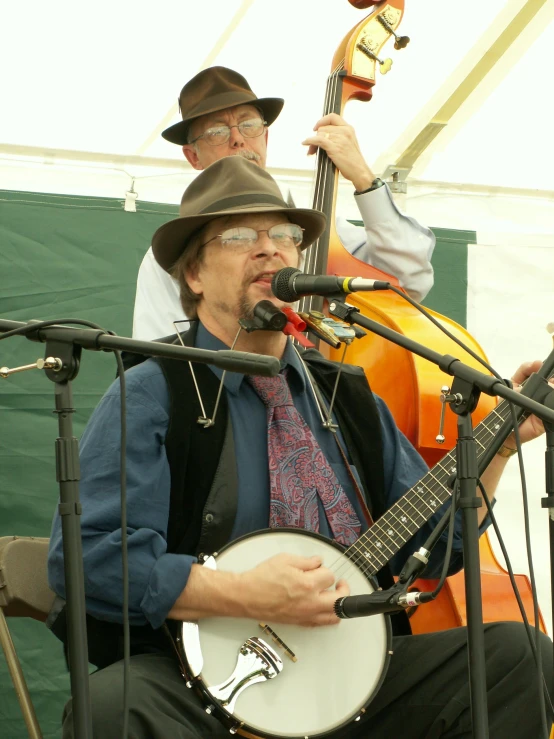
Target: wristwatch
(505, 451)
(377, 182)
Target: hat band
(238, 201)
(222, 100)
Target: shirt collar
(233, 380)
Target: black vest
(203, 495)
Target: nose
(236, 138)
(264, 246)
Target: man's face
(201, 154)
(232, 282)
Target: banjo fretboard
(402, 520)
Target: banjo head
(329, 673)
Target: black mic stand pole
(463, 398)
(63, 346)
(467, 474)
(68, 475)
(548, 500)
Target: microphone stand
(63, 350)
(464, 395)
(548, 500)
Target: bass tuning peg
(400, 42)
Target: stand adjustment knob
(440, 438)
(445, 398)
(52, 363)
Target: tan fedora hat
(230, 186)
(217, 88)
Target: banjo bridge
(277, 639)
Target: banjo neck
(403, 519)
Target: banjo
(280, 680)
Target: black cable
(29, 328)
(460, 343)
(532, 637)
(485, 364)
(449, 544)
(527, 528)
(124, 551)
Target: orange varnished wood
(363, 4)
(411, 385)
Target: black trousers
(425, 694)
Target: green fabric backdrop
(60, 257)
(75, 257)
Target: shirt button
(209, 518)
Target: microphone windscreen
(281, 284)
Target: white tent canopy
(102, 81)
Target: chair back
(24, 587)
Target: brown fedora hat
(217, 88)
(230, 186)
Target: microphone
(289, 284)
(267, 317)
(382, 601)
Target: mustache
(269, 271)
(252, 156)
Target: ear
(189, 150)
(193, 280)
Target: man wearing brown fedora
(221, 116)
(266, 460)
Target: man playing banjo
(267, 461)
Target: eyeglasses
(220, 134)
(242, 239)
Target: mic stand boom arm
(65, 345)
(446, 362)
(97, 339)
(466, 388)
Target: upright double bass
(410, 385)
